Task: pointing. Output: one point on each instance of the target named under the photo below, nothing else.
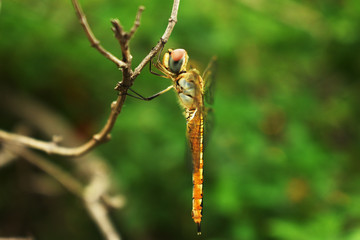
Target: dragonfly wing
(209, 80)
(209, 125)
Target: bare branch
(16, 143)
(123, 38)
(163, 39)
(90, 35)
(120, 34)
(128, 78)
(53, 148)
(48, 147)
(137, 21)
(95, 194)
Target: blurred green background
(283, 159)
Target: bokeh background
(283, 158)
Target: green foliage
(282, 162)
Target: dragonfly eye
(176, 60)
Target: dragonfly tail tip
(198, 229)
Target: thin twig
(163, 39)
(137, 21)
(48, 147)
(53, 148)
(93, 40)
(123, 38)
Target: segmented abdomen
(195, 131)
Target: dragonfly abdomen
(197, 196)
(195, 129)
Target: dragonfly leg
(138, 96)
(158, 58)
(159, 66)
(155, 73)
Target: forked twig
(128, 79)
(125, 37)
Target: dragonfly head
(176, 60)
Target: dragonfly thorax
(186, 91)
(188, 88)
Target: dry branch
(90, 35)
(165, 37)
(94, 197)
(94, 194)
(128, 79)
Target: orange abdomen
(195, 130)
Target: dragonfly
(190, 87)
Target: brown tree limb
(128, 78)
